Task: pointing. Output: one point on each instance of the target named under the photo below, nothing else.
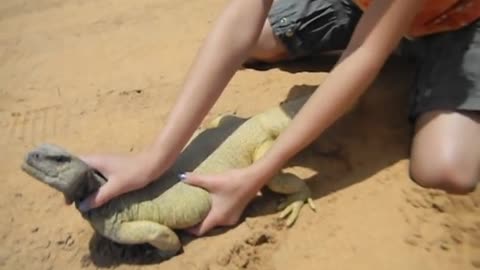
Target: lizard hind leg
(140, 232)
(220, 120)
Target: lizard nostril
(36, 156)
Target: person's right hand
(124, 173)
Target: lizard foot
(292, 206)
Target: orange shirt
(440, 15)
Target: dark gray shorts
(448, 64)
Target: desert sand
(101, 76)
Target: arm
(378, 32)
(224, 50)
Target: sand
(101, 76)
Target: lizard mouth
(34, 167)
(32, 171)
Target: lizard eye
(60, 159)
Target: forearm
(335, 96)
(223, 51)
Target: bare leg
(446, 151)
(268, 48)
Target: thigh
(446, 151)
(269, 48)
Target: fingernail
(83, 206)
(182, 176)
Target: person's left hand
(231, 191)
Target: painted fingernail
(182, 176)
(83, 206)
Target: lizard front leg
(298, 193)
(289, 184)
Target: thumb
(104, 194)
(204, 181)
(206, 225)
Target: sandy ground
(100, 76)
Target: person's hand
(231, 191)
(124, 173)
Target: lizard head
(59, 169)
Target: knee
(447, 173)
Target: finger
(206, 225)
(104, 194)
(204, 181)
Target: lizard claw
(311, 204)
(291, 209)
(291, 212)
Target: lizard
(152, 214)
